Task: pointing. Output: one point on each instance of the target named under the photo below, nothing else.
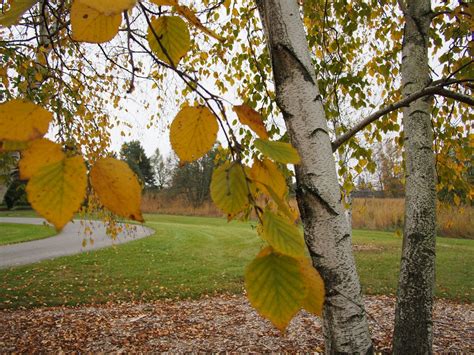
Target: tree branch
(428, 91)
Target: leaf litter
(222, 323)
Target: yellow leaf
(248, 116)
(229, 188)
(278, 151)
(275, 287)
(56, 191)
(266, 173)
(283, 236)
(23, 120)
(282, 204)
(109, 7)
(90, 25)
(15, 11)
(193, 132)
(165, 2)
(40, 153)
(173, 35)
(117, 187)
(314, 300)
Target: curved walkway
(67, 242)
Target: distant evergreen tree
(134, 155)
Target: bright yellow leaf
(230, 189)
(15, 11)
(117, 187)
(109, 7)
(40, 153)
(248, 116)
(168, 37)
(266, 173)
(275, 287)
(90, 25)
(282, 235)
(56, 191)
(314, 300)
(22, 120)
(278, 151)
(193, 132)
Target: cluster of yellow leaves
(58, 182)
(281, 280)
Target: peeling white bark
(326, 230)
(413, 314)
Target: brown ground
(224, 323)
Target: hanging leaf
(40, 153)
(90, 25)
(284, 237)
(275, 286)
(248, 116)
(56, 191)
(22, 120)
(193, 132)
(229, 188)
(314, 300)
(109, 7)
(16, 10)
(117, 187)
(278, 151)
(266, 173)
(13, 146)
(168, 37)
(282, 204)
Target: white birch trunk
(326, 230)
(413, 315)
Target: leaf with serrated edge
(174, 40)
(279, 151)
(40, 153)
(266, 173)
(16, 11)
(109, 7)
(283, 236)
(23, 120)
(117, 187)
(90, 25)
(193, 132)
(57, 190)
(314, 300)
(229, 188)
(275, 287)
(248, 116)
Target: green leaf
(275, 286)
(278, 151)
(283, 236)
(16, 11)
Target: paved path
(68, 242)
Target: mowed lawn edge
(189, 257)
(13, 233)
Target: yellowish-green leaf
(90, 25)
(314, 300)
(56, 191)
(109, 7)
(168, 37)
(282, 204)
(15, 12)
(229, 188)
(117, 187)
(282, 235)
(275, 287)
(193, 132)
(12, 146)
(22, 120)
(279, 151)
(266, 173)
(248, 116)
(40, 153)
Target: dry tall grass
(367, 213)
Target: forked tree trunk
(413, 315)
(326, 230)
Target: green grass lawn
(17, 233)
(192, 256)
